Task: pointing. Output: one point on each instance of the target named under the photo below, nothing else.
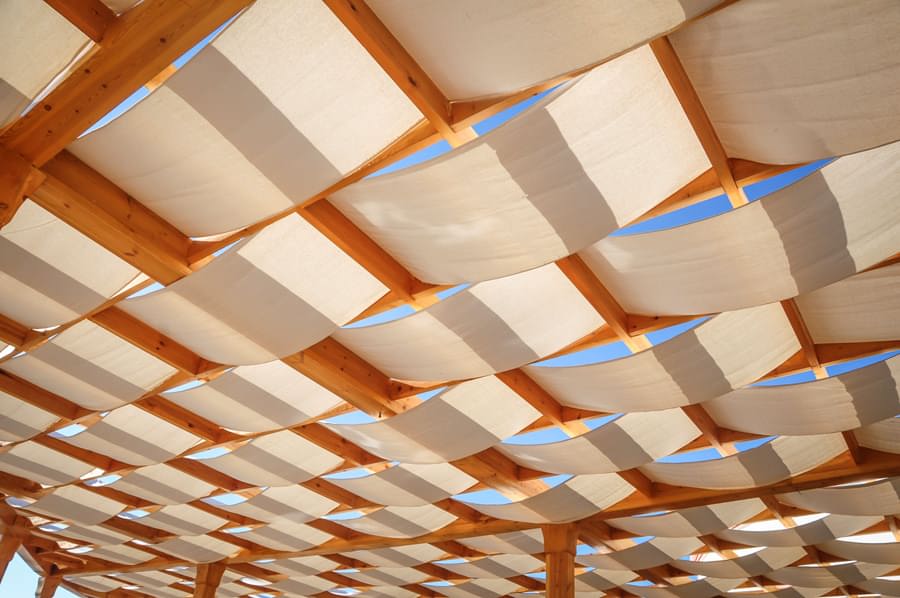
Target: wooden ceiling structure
(138, 48)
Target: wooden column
(208, 577)
(559, 557)
(9, 544)
(47, 587)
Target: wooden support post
(559, 558)
(47, 586)
(208, 577)
(9, 544)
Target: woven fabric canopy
(400, 298)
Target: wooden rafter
(807, 345)
(92, 17)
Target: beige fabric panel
(885, 587)
(880, 552)
(125, 555)
(163, 485)
(401, 522)
(303, 565)
(655, 552)
(792, 83)
(524, 542)
(694, 521)
(765, 251)
(473, 49)
(478, 588)
(392, 576)
(273, 307)
(20, 420)
(256, 123)
(836, 404)
(285, 534)
(283, 502)
(876, 498)
(456, 423)
(830, 576)
(76, 504)
(729, 351)
(47, 466)
(50, 273)
(198, 549)
(865, 307)
(183, 520)
(777, 460)
(881, 436)
(807, 534)
(490, 327)
(496, 566)
(402, 556)
(408, 485)
(633, 440)
(741, 567)
(703, 588)
(304, 586)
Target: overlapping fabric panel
(815, 532)
(791, 83)
(51, 273)
(524, 542)
(885, 587)
(844, 402)
(749, 565)
(777, 460)
(546, 184)
(285, 535)
(38, 43)
(46, 466)
(630, 441)
(20, 420)
(94, 534)
(602, 580)
(881, 552)
(498, 566)
(255, 124)
(163, 485)
(478, 588)
(472, 49)
(277, 459)
(388, 576)
(830, 576)
(258, 398)
(198, 549)
(295, 503)
(694, 521)
(727, 352)
(398, 556)
(133, 436)
(183, 520)
(575, 499)
(274, 294)
(882, 436)
(123, 554)
(652, 553)
(386, 592)
(703, 588)
(304, 565)
(72, 503)
(91, 367)
(877, 498)
(458, 422)
(865, 307)
(401, 522)
(408, 485)
(490, 327)
(301, 587)
(825, 227)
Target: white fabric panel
(133, 436)
(561, 176)
(823, 228)
(388, 576)
(777, 460)
(285, 534)
(198, 549)
(96, 582)
(303, 586)
(149, 578)
(525, 542)
(844, 402)
(865, 307)
(490, 327)
(386, 592)
(94, 534)
(91, 367)
(808, 534)
(632, 440)
(398, 556)
(50, 273)
(277, 459)
(286, 502)
(38, 43)
(655, 552)
(498, 566)
(183, 520)
(408, 485)
(460, 421)
(472, 49)
(401, 522)
(258, 398)
(693, 521)
(882, 552)
(575, 499)
(302, 565)
(254, 124)
(72, 503)
(163, 485)
(20, 420)
(592, 581)
(791, 83)
(876, 498)
(729, 351)
(478, 588)
(704, 588)
(274, 305)
(758, 563)
(830, 576)
(46, 466)
(883, 436)
(123, 554)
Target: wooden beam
(807, 345)
(9, 544)
(209, 575)
(696, 114)
(15, 334)
(520, 383)
(40, 398)
(91, 17)
(47, 587)
(18, 178)
(707, 426)
(853, 446)
(136, 47)
(560, 542)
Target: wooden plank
(136, 47)
(807, 344)
(708, 427)
(9, 544)
(696, 114)
(47, 587)
(209, 575)
(18, 178)
(91, 17)
(560, 543)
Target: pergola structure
(195, 404)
